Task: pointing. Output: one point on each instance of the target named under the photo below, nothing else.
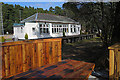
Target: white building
(41, 25)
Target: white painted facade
(37, 30)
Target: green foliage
(2, 39)
(64, 34)
(95, 16)
(11, 14)
(26, 36)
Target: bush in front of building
(64, 34)
(2, 39)
(26, 36)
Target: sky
(44, 5)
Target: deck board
(63, 69)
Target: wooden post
(111, 64)
(114, 62)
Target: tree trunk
(116, 30)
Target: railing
(21, 56)
(114, 62)
(72, 39)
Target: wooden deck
(63, 69)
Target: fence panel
(21, 56)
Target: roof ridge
(36, 16)
(28, 17)
(52, 14)
(48, 16)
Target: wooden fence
(21, 56)
(72, 39)
(114, 62)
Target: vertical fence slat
(119, 60)
(6, 60)
(56, 52)
(33, 55)
(3, 63)
(23, 52)
(59, 51)
(111, 63)
(50, 52)
(20, 57)
(47, 52)
(53, 52)
(40, 51)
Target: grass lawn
(88, 51)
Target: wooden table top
(63, 69)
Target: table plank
(63, 69)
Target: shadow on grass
(88, 51)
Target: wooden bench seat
(63, 69)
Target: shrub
(3, 39)
(26, 36)
(64, 34)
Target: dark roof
(48, 18)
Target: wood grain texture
(114, 62)
(65, 69)
(22, 56)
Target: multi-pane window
(73, 28)
(44, 28)
(59, 28)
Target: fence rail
(21, 56)
(114, 62)
(72, 39)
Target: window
(47, 30)
(57, 29)
(33, 29)
(63, 30)
(74, 29)
(60, 26)
(47, 25)
(21, 29)
(40, 25)
(71, 30)
(40, 30)
(44, 28)
(67, 29)
(52, 30)
(78, 29)
(18, 29)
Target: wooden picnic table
(63, 69)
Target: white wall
(28, 29)
(31, 35)
(18, 33)
(34, 35)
